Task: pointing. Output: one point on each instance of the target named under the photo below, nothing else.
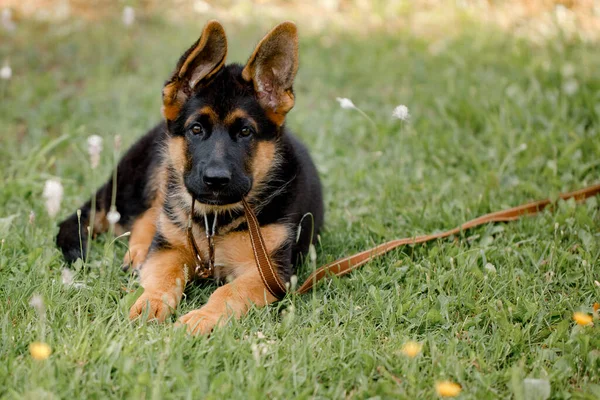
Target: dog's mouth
(219, 199)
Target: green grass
(474, 106)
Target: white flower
(67, 277)
(201, 7)
(260, 335)
(113, 216)
(37, 302)
(489, 267)
(259, 350)
(128, 16)
(537, 388)
(345, 103)
(6, 72)
(570, 87)
(7, 22)
(53, 193)
(94, 149)
(31, 217)
(401, 112)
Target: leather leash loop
(203, 269)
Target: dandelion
(411, 349)
(401, 112)
(5, 72)
(582, 319)
(128, 16)
(37, 303)
(489, 267)
(570, 87)
(349, 105)
(94, 149)
(53, 193)
(345, 103)
(447, 389)
(39, 351)
(113, 216)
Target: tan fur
(234, 250)
(238, 113)
(142, 232)
(232, 300)
(100, 222)
(164, 280)
(207, 111)
(263, 161)
(173, 233)
(177, 153)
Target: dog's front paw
(158, 306)
(134, 257)
(200, 322)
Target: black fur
(134, 194)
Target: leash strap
(265, 267)
(345, 265)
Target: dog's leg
(231, 300)
(163, 278)
(247, 288)
(142, 232)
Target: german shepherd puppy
(223, 139)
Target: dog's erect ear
(201, 61)
(272, 68)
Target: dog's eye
(245, 131)
(196, 129)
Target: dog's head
(225, 121)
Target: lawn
(495, 121)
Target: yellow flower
(447, 389)
(411, 349)
(39, 351)
(582, 319)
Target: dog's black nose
(216, 178)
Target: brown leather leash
(347, 264)
(278, 288)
